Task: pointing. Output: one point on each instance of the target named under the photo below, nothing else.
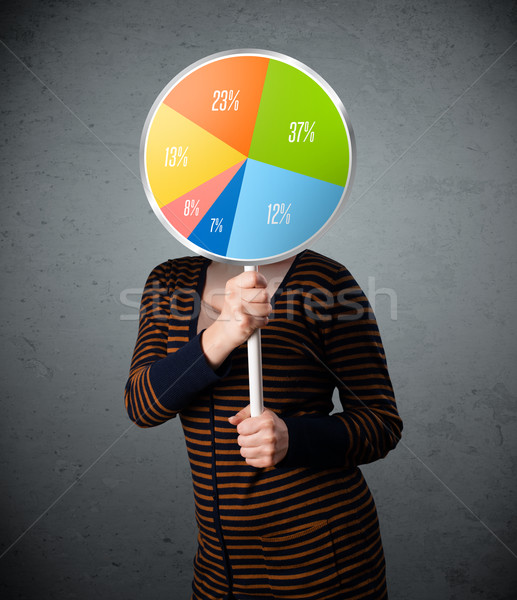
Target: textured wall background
(93, 507)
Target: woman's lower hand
(264, 440)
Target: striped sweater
(306, 528)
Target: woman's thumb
(240, 416)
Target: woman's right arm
(161, 384)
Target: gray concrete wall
(93, 507)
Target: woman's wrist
(215, 345)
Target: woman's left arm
(369, 425)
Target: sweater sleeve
(369, 425)
(161, 384)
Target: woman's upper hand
(246, 308)
(264, 440)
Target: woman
(282, 508)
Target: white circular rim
(266, 54)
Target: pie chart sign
(247, 156)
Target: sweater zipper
(217, 517)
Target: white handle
(255, 367)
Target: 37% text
(298, 128)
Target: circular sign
(247, 156)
